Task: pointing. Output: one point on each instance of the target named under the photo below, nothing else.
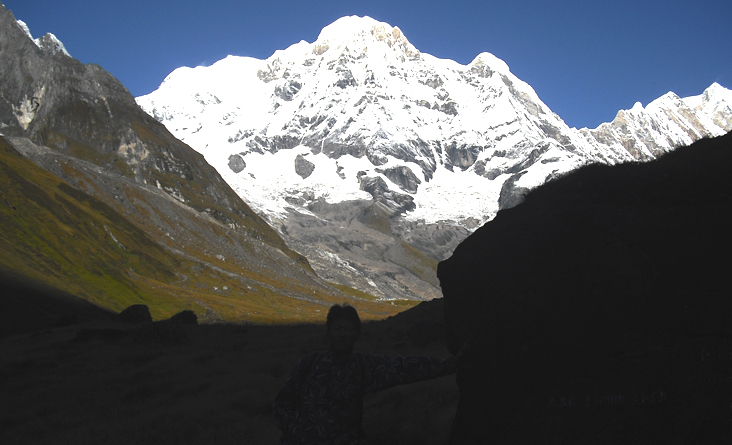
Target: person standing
(322, 401)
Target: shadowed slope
(30, 305)
(599, 308)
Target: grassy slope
(69, 241)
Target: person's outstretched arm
(382, 371)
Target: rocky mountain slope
(375, 160)
(116, 210)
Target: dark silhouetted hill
(599, 309)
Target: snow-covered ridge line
(49, 42)
(360, 114)
(665, 123)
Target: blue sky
(585, 59)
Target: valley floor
(216, 387)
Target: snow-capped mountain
(318, 120)
(665, 123)
(434, 147)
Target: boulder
(137, 313)
(598, 311)
(185, 317)
(236, 163)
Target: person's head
(344, 328)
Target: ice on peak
(348, 26)
(51, 44)
(25, 28)
(667, 100)
(637, 107)
(486, 58)
(717, 91)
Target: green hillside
(59, 242)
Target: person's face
(342, 335)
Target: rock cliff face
(434, 147)
(81, 124)
(53, 100)
(598, 309)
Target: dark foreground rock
(108, 335)
(185, 317)
(599, 309)
(165, 331)
(137, 313)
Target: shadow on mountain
(29, 306)
(599, 309)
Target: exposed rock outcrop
(396, 202)
(403, 177)
(303, 167)
(598, 310)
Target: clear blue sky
(585, 59)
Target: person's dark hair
(344, 311)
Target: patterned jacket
(322, 402)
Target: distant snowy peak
(359, 32)
(488, 59)
(361, 113)
(49, 43)
(716, 102)
(665, 123)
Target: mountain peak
(716, 92)
(49, 43)
(350, 29)
(488, 59)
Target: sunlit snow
(360, 88)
